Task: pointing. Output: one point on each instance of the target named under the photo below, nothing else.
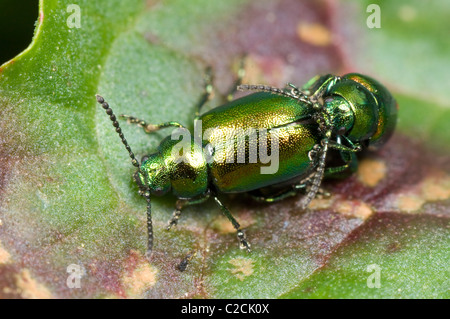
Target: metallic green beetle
(311, 133)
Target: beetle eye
(144, 158)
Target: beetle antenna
(272, 89)
(112, 117)
(148, 254)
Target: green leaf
(68, 199)
(391, 256)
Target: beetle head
(338, 115)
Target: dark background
(17, 21)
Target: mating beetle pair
(315, 132)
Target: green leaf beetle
(329, 118)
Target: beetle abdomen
(259, 140)
(245, 163)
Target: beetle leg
(340, 147)
(285, 193)
(274, 198)
(180, 204)
(324, 193)
(241, 236)
(318, 176)
(290, 192)
(351, 164)
(352, 145)
(176, 213)
(306, 184)
(149, 128)
(321, 85)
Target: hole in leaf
(17, 23)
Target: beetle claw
(243, 243)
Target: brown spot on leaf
(436, 187)
(354, 208)
(269, 70)
(409, 202)
(222, 225)
(321, 203)
(371, 171)
(314, 33)
(29, 288)
(139, 277)
(5, 256)
(243, 267)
